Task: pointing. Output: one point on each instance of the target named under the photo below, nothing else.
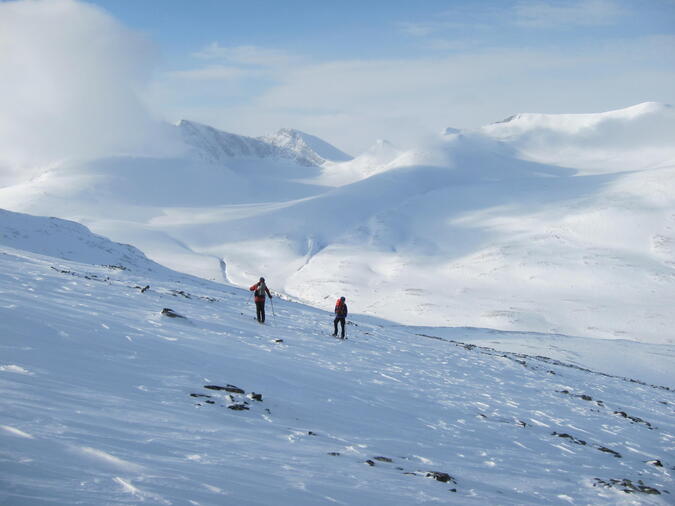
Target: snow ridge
(306, 146)
(217, 146)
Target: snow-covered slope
(637, 137)
(380, 157)
(217, 146)
(474, 228)
(106, 400)
(306, 146)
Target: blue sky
(355, 71)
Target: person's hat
(262, 279)
(342, 298)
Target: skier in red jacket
(259, 289)
(340, 315)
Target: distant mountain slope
(218, 146)
(548, 223)
(636, 137)
(307, 146)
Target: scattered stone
(171, 313)
(656, 463)
(521, 423)
(278, 340)
(572, 438)
(627, 486)
(210, 402)
(383, 459)
(310, 433)
(370, 463)
(228, 388)
(238, 407)
(453, 490)
(145, 288)
(586, 397)
(633, 418)
(256, 397)
(334, 454)
(442, 477)
(607, 450)
(199, 395)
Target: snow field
(96, 403)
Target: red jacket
(260, 297)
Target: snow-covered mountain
(106, 399)
(307, 146)
(217, 146)
(547, 223)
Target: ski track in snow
(107, 416)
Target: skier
(259, 289)
(340, 315)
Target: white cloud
(353, 102)
(247, 55)
(540, 14)
(71, 77)
(212, 73)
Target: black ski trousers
(342, 322)
(260, 311)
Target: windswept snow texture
(105, 400)
(560, 224)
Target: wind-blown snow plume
(71, 77)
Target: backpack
(340, 308)
(260, 291)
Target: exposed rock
(145, 288)
(656, 463)
(334, 454)
(171, 313)
(627, 486)
(238, 407)
(607, 450)
(228, 388)
(572, 438)
(256, 397)
(199, 395)
(370, 463)
(633, 418)
(438, 476)
(383, 459)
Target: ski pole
(275, 316)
